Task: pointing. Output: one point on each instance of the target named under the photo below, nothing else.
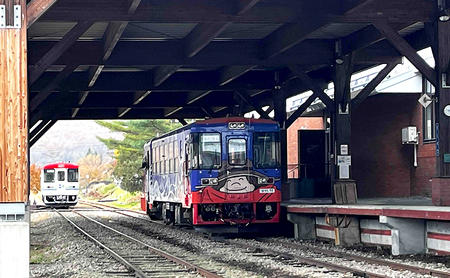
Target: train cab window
(61, 176)
(266, 150)
(72, 175)
(209, 151)
(237, 151)
(49, 175)
(193, 151)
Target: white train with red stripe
(59, 184)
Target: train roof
(60, 165)
(225, 120)
(235, 119)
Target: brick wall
(292, 138)
(382, 165)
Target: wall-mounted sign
(446, 157)
(344, 160)
(344, 149)
(447, 110)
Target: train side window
(72, 175)
(61, 176)
(170, 157)
(237, 151)
(49, 175)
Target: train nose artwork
(221, 174)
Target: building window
(429, 120)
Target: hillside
(70, 141)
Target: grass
(42, 254)
(124, 199)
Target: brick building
(381, 165)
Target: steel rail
(202, 271)
(116, 256)
(393, 265)
(309, 261)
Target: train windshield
(205, 151)
(49, 175)
(237, 151)
(266, 150)
(72, 175)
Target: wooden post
(280, 117)
(441, 183)
(343, 187)
(13, 107)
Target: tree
(93, 166)
(130, 149)
(35, 178)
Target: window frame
(429, 89)
(228, 151)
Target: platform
(407, 225)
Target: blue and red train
(217, 175)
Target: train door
(237, 149)
(61, 178)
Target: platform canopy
(179, 59)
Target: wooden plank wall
(13, 109)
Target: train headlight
(209, 181)
(205, 181)
(265, 180)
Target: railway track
(292, 259)
(347, 256)
(140, 258)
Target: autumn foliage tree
(94, 166)
(35, 179)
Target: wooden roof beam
(182, 121)
(140, 96)
(48, 125)
(246, 97)
(67, 41)
(137, 98)
(291, 34)
(132, 6)
(111, 37)
(201, 36)
(367, 36)
(208, 112)
(194, 96)
(162, 73)
(406, 49)
(372, 84)
(313, 86)
(36, 8)
(170, 111)
(60, 78)
(229, 74)
(299, 111)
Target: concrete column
(408, 235)
(304, 225)
(15, 250)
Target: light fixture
(339, 61)
(444, 16)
